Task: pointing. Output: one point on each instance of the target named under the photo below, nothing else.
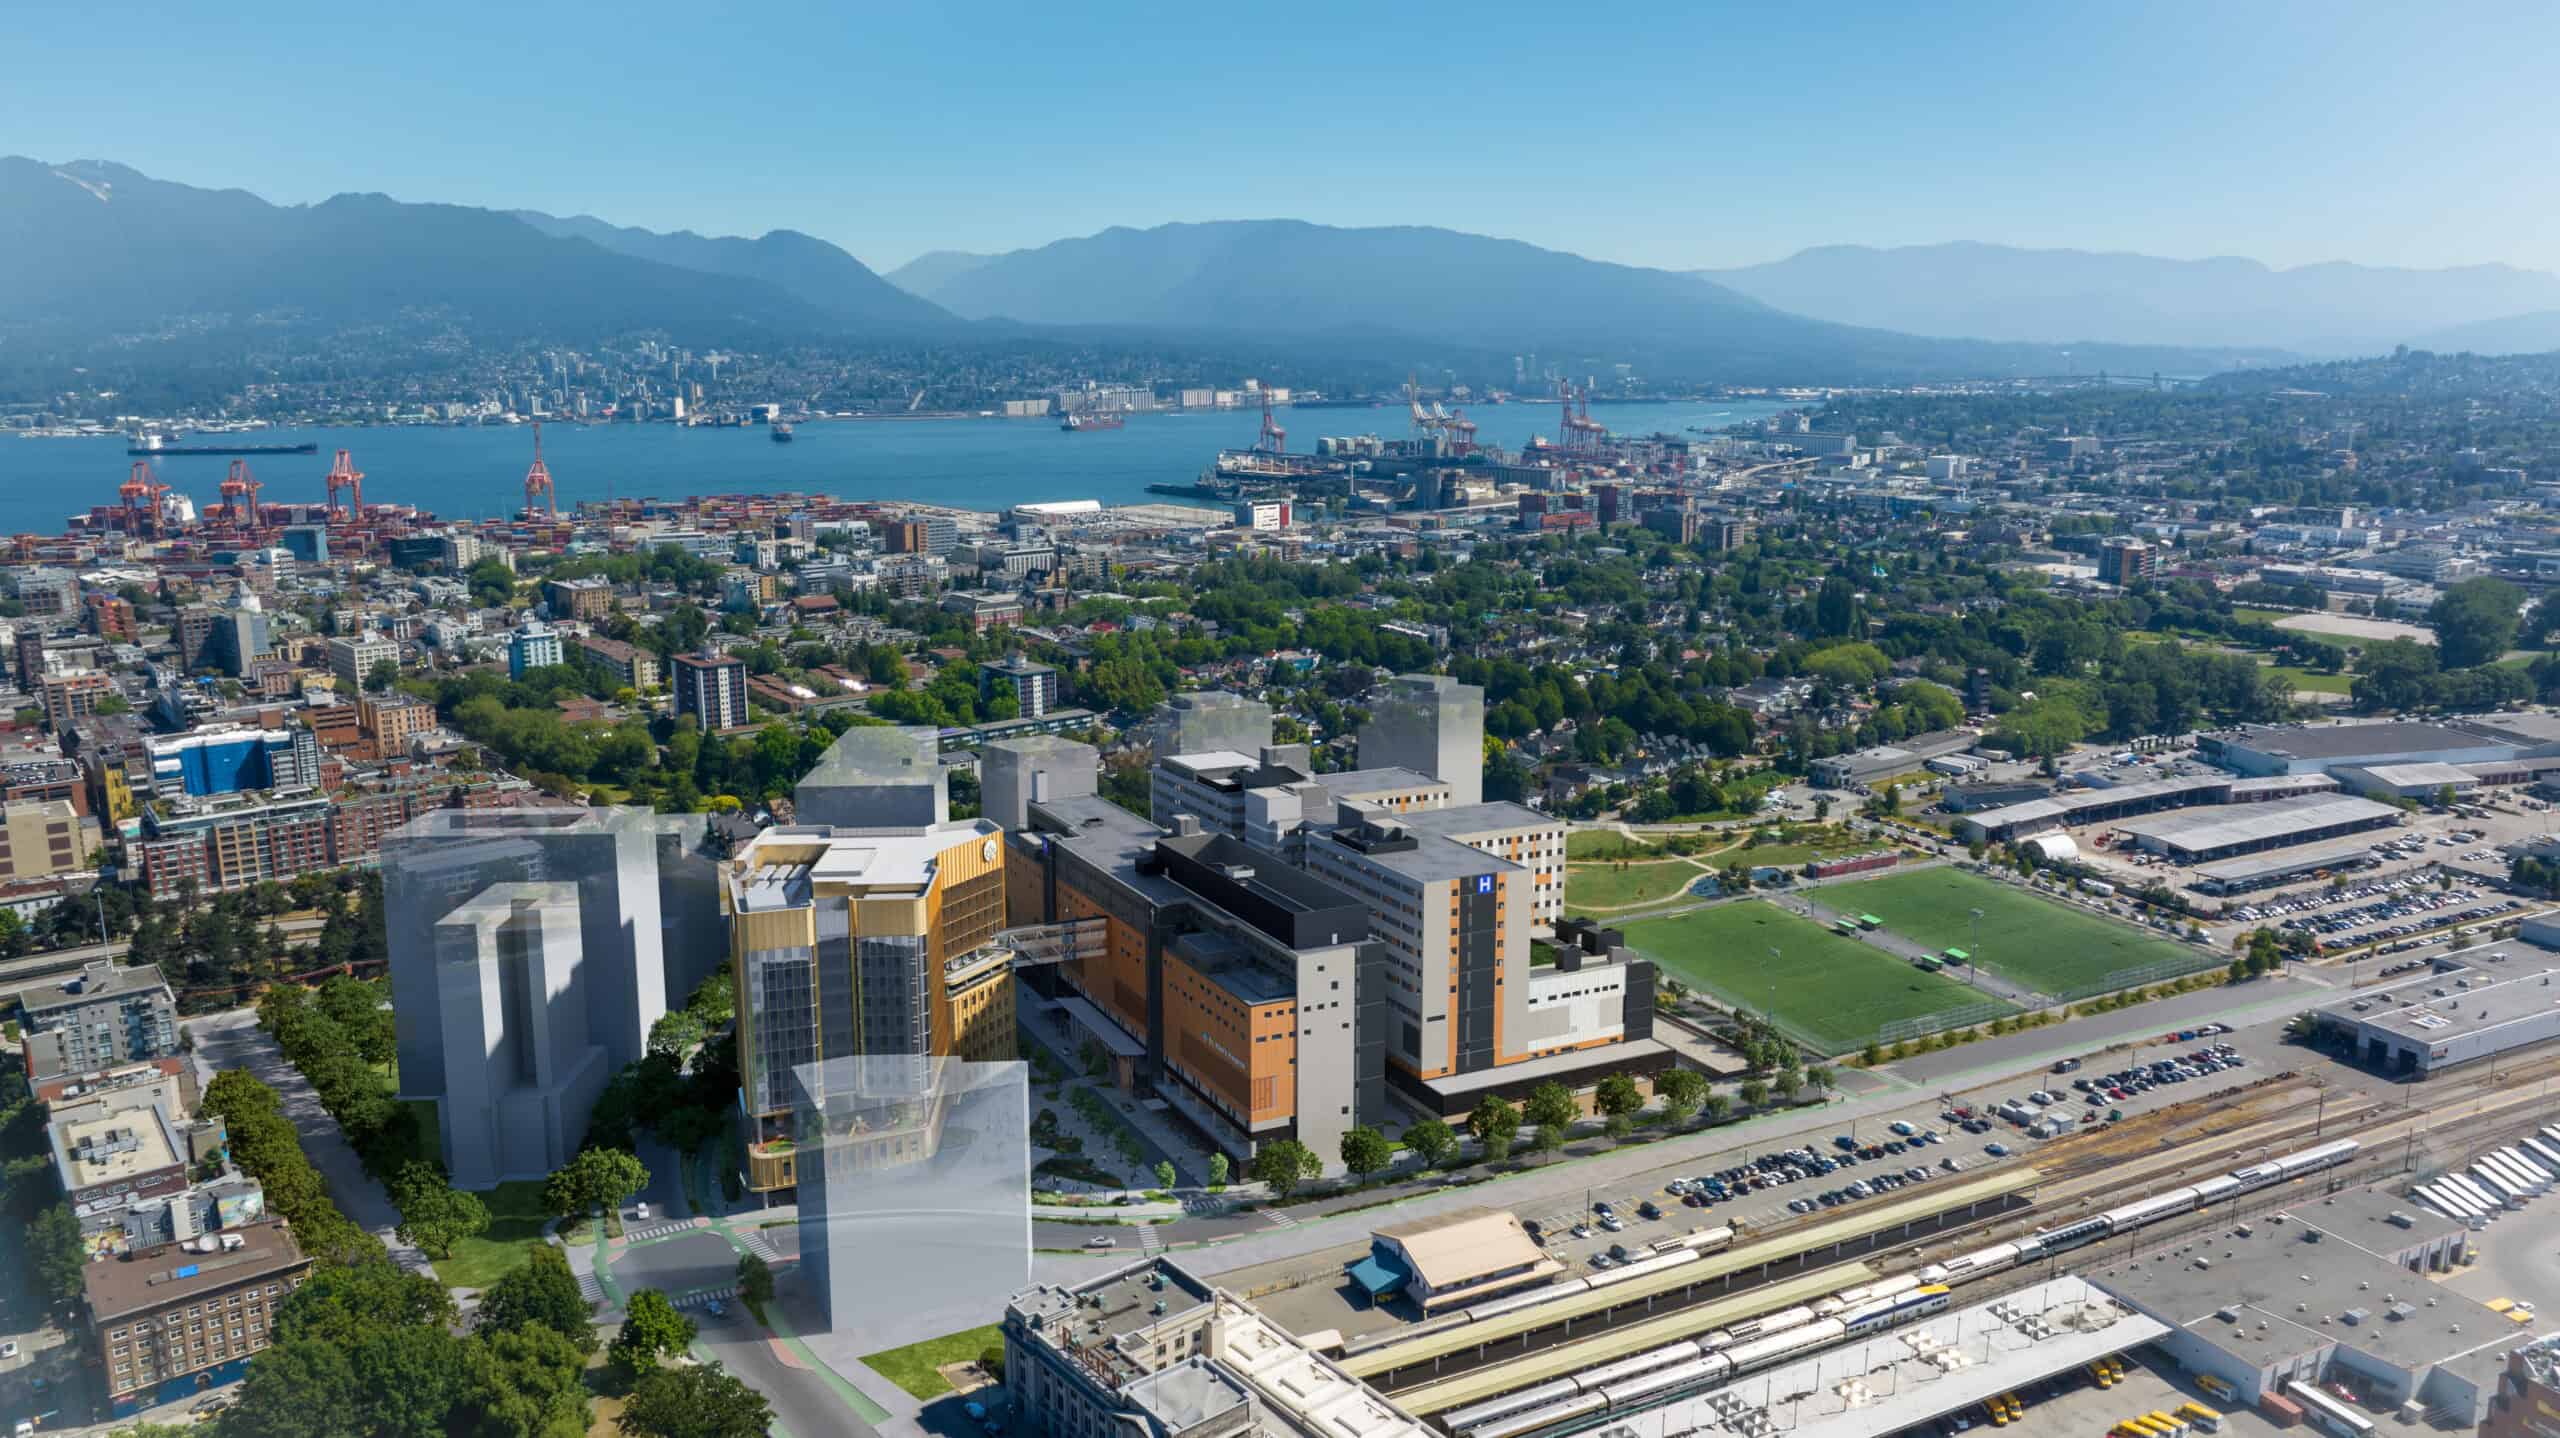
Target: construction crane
(1273, 439)
(343, 475)
(1462, 433)
(239, 486)
(142, 492)
(537, 482)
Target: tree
(434, 1215)
(1617, 1095)
(596, 1178)
(1365, 1150)
(1681, 1090)
(1551, 1105)
(1617, 1126)
(697, 1402)
(1165, 1175)
(383, 674)
(1495, 1124)
(1283, 1164)
(650, 1326)
(1431, 1141)
(1819, 1077)
(1754, 1093)
(525, 1383)
(1217, 1169)
(53, 1245)
(541, 1291)
(755, 1279)
(1789, 1084)
(2475, 621)
(675, 1033)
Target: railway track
(2157, 1151)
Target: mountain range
(107, 253)
(2004, 293)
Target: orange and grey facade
(1467, 1013)
(859, 943)
(1246, 991)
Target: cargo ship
(1076, 423)
(780, 433)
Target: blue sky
(1690, 136)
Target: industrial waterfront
(477, 471)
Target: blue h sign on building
(1484, 883)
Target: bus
(2210, 1420)
(1956, 957)
(1870, 921)
(1846, 929)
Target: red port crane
(1273, 439)
(343, 474)
(142, 492)
(537, 482)
(238, 486)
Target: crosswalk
(761, 1246)
(1279, 1219)
(590, 1287)
(657, 1230)
(1148, 1241)
(701, 1296)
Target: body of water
(986, 464)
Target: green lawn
(1833, 993)
(516, 1216)
(1605, 844)
(2024, 938)
(2299, 678)
(1794, 856)
(2248, 615)
(913, 1367)
(1606, 886)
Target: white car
(640, 1211)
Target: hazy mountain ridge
(2008, 293)
(1290, 276)
(801, 265)
(106, 247)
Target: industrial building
(2125, 801)
(2329, 1291)
(2406, 781)
(1889, 761)
(2265, 871)
(2225, 833)
(2444, 1021)
(2325, 748)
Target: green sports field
(1830, 993)
(2047, 946)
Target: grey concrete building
(2444, 1020)
(1431, 723)
(98, 1018)
(1212, 719)
(648, 932)
(876, 777)
(521, 1068)
(1014, 774)
(2329, 1291)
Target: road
(231, 1039)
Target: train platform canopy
(1907, 1376)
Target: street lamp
(1973, 934)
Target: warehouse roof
(2265, 866)
(2413, 776)
(2275, 1288)
(2346, 741)
(2451, 1006)
(2226, 825)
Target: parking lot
(1808, 1172)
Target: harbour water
(478, 471)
